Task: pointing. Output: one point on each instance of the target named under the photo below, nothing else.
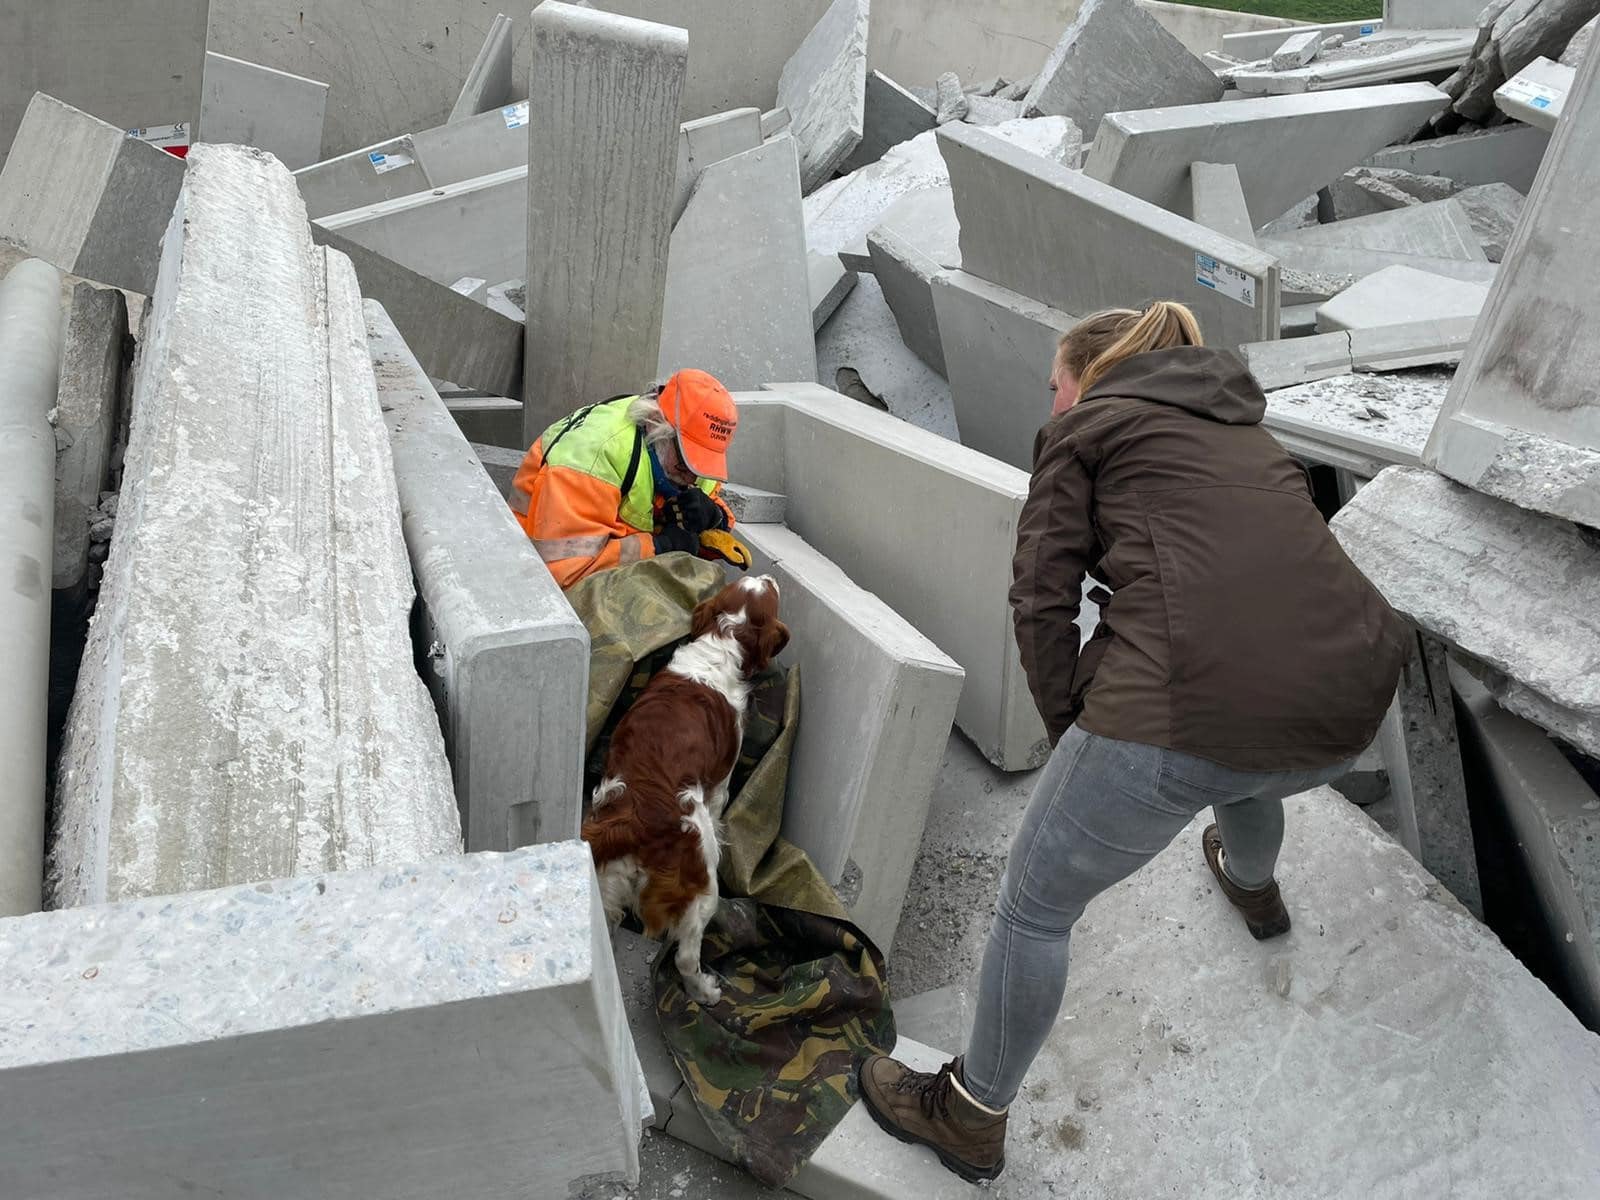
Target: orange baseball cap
(705, 416)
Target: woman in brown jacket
(1240, 658)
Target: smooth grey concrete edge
(508, 659)
(30, 357)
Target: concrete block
(472, 288)
(1536, 94)
(30, 356)
(828, 282)
(1089, 246)
(480, 989)
(1250, 45)
(991, 110)
(1343, 265)
(503, 298)
(607, 89)
(918, 238)
(1512, 589)
(860, 353)
(1523, 418)
(1297, 50)
(1303, 359)
(1298, 217)
(248, 707)
(891, 115)
(1216, 199)
(1359, 423)
(752, 506)
(86, 197)
(999, 348)
(1399, 296)
(251, 105)
(742, 240)
(775, 121)
(950, 102)
(500, 465)
(1362, 191)
(841, 460)
(1384, 57)
(1438, 230)
(824, 87)
(1114, 57)
(879, 699)
(1284, 146)
(487, 420)
(710, 140)
(139, 68)
(1505, 154)
(490, 82)
(453, 336)
(508, 659)
(1493, 210)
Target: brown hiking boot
(935, 1111)
(1262, 908)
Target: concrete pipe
(30, 357)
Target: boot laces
(933, 1091)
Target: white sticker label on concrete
(389, 162)
(1535, 94)
(167, 137)
(1220, 277)
(516, 115)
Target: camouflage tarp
(772, 1067)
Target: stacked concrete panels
(1523, 419)
(490, 82)
(1285, 147)
(417, 1031)
(824, 87)
(604, 156)
(248, 708)
(1079, 245)
(508, 659)
(252, 105)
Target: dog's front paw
(703, 989)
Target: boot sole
(959, 1166)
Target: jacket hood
(1209, 383)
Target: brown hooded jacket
(1237, 629)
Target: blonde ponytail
(1096, 344)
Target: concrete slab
(1399, 296)
(472, 288)
(1297, 50)
(490, 82)
(742, 240)
(607, 90)
(1090, 246)
(828, 282)
(1523, 419)
(1359, 423)
(1391, 54)
(710, 140)
(478, 227)
(86, 197)
(487, 420)
(1441, 229)
(824, 87)
(1283, 146)
(1516, 591)
(840, 459)
(140, 71)
(88, 408)
(860, 353)
(1259, 43)
(508, 659)
(999, 347)
(1114, 57)
(1216, 198)
(891, 115)
(1346, 264)
(879, 700)
(251, 105)
(1297, 360)
(500, 465)
(1505, 154)
(1493, 210)
(1536, 94)
(918, 237)
(481, 988)
(248, 707)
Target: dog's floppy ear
(774, 638)
(704, 619)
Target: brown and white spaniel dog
(653, 829)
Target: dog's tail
(607, 790)
(697, 818)
(612, 834)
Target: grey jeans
(1100, 811)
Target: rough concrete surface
(88, 408)
(1494, 210)
(249, 708)
(824, 87)
(408, 1032)
(1115, 57)
(1517, 591)
(1360, 423)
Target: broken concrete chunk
(952, 102)
(893, 115)
(88, 409)
(1361, 423)
(824, 87)
(1297, 50)
(1494, 210)
(985, 110)
(1383, 57)
(1115, 57)
(1362, 191)
(1572, 56)
(1401, 296)
(1298, 217)
(1437, 230)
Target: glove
(675, 538)
(695, 511)
(719, 544)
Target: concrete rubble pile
(286, 347)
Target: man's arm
(576, 529)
